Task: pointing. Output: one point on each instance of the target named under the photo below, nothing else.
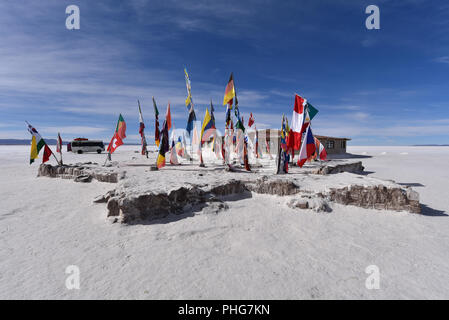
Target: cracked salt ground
(257, 248)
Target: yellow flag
(33, 153)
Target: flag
(195, 136)
(207, 126)
(173, 156)
(212, 110)
(33, 152)
(250, 120)
(37, 144)
(47, 154)
(168, 118)
(116, 141)
(190, 120)
(320, 149)
(39, 141)
(119, 135)
(141, 131)
(228, 115)
(163, 147)
(186, 75)
(283, 157)
(307, 148)
(189, 104)
(59, 144)
(283, 135)
(179, 147)
(312, 111)
(121, 127)
(157, 133)
(229, 92)
(240, 124)
(299, 119)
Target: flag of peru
(307, 148)
(296, 130)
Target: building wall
(331, 144)
(334, 145)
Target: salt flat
(259, 248)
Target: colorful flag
(47, 154)
(229, 92)
(307, 148)
(116, 141)
(320, 149)
(157, 133)
(163, 147)
(212, 110)
(250, 120)
(296, 130)
(207, 128)
(173, 155)
(189, 104)
(283, 135)
(38, 143)
(121, 127)
(59, 144)
(283, 157)
(195, 135)
(33, 152)
(141, 131)
(179, 147)
(119, 135)
(168, 117)
(312, 111)
(240, 124)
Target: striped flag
(37, 143)
(141, 131)
(157, 133)
(307, 148)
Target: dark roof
(317, 136)
(327, 137)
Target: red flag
(299, 117)
(47, 154)
(116, 141)
(168, 117)
(250, 120)
(59, 144)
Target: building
(333, 145)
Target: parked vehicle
(82, 145)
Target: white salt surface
(259, 248)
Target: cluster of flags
(297, 137)
(300, 136)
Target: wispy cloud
(444, 59)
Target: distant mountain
(430, 145)
(21, 142)
(11, 142)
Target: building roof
(327, 137)
(317, 136)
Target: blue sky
(378, 87)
